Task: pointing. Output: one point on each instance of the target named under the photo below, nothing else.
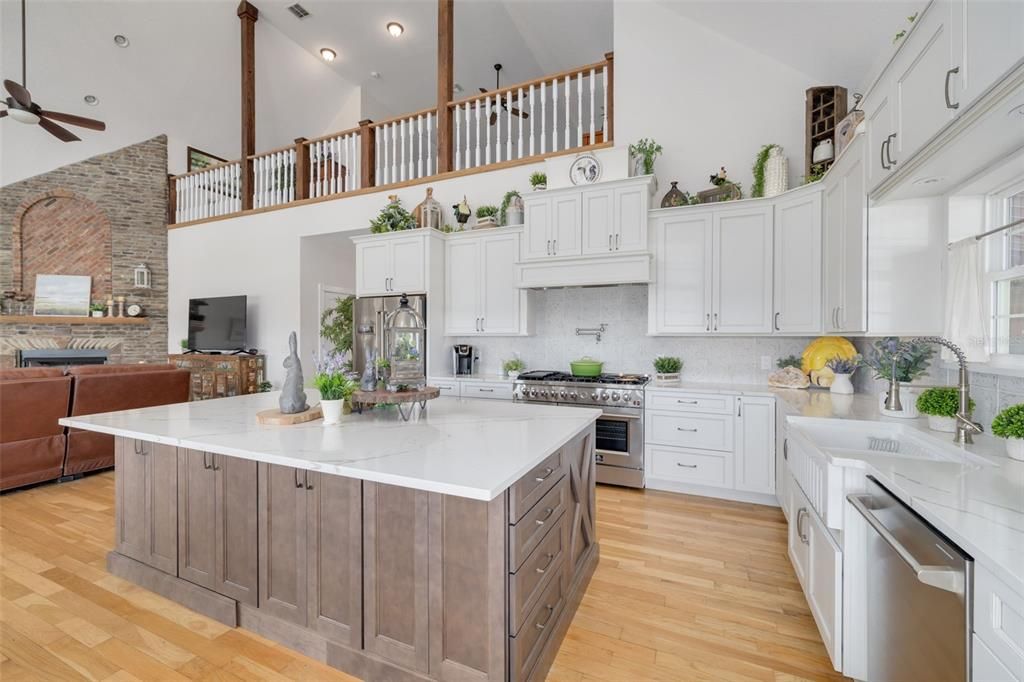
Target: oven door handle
(605, 415)
(941, 577)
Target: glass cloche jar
(405, 340)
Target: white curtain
(966, 325)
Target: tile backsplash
(625, 346)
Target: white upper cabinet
(481, 298)
(797, 268)
(596, 220)
(988, 39)
(713, 271)
(845, 236)
(393, 263)
(879, 120)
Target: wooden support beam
(172, 200)
(445, 81)
(301, 168)
(367, 154)
(248, 14)
(609, 134)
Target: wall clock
(134, 310)
(585, 170)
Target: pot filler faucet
(965, 426)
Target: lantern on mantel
(428, 213)
(143, 277)
(405, 339)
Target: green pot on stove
(586, 367)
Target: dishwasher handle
(941, 577)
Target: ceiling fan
(21, 108)
(506, 100)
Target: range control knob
(594, 396)
(615, 395)
(561, 394)
(572, 395)
(604, 396)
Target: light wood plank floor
(687, 589)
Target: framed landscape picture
(198, 159)
(62, 295)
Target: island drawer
(494, 390)
(527, 490)
(527, 645)
(527, 534)
(542, 566)
(689, 402)
(702, 431)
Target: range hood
(585, 271)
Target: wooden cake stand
(406, 401)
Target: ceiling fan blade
(19, 93)
(520, 114)
(3, 113)
(484, 90)
(82, 121)
(62, 134)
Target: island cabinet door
(395, 574)
(582, 505)
(335, 542)
(282, 542)
(147, 503)
(197, 504)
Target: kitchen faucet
(965, 426)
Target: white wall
(324, 260)
(708, 100)
(259, 255)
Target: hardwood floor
(687, 589)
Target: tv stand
(220, 375)
(242, 351)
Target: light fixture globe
(327, 54)
(395, 29)
(23, 115)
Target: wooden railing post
(172, 200)
(301, 168)
(248, 14)
(609, 134)
(445, 82)
(367, 154)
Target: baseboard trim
(710, 491)
(199, 599)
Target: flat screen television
(216, 323)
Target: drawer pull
(486, 390)
(298, 483)
(687, 402)
(551, 612)
(547, 472)
(680, 428)
(550, 511)
(544, 568)
(140, 448)
(686, 466)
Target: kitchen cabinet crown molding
(749, 202)
(574, 189)
(423, 232)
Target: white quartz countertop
(467, 448)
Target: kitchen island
(456, 546)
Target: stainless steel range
(620, 429)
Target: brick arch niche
(61, 233)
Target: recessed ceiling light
(91, 100)
(457, 88)
(395, 29)
(121, 41)
(375, 74)
(328, 54)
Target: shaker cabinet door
(537, 229)
(147, 503)
(629, 219)
(408, 265)
(373, 268)
(755, 445)
(335, 571)
(462, 287)
(743, 272)
(237, 528)
(197, 504)
(282, 542)
(566, 225)
(502, 304)
(797, 266)
(598, 232)
(680, 297)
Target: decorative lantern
(514, 210)
(143, 277)
(405, 340)
(428, 213)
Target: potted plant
(392, 218)
(538, 180)
(644, 152)
(667, 368)
(486, 216)
(335, 386)
(184, 344)
(383, 372)
(265, 387)
(511, 212)
(940, 404)
(912, 361)
(1009, 424)
(513, 367)
(842, 371)
(96, 309)
(789, 361)
(336, 325)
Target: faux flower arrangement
(940, 404)
(1009, 424)
(842, 369)
(912, 361)
(335, 385)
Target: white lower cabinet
(472, 388)
(985, 667)
(708, 444)
(999, 623)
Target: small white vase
(667, 377)
(943, 424)
(1015, 449)
(332, 410)
(908, 398)
(841, 384)
(512, 375)
(97, 313)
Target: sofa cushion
(96, 393)
(83, 370)
(31, 461)
(15, 373)
(30, 408)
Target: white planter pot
(666, 378)
(538, 188)
(943, 424)
(841, 384)
(97, 313)
(908, 398)
(1015, 448)
(332, 410)
(513, 375)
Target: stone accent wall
(99, 217)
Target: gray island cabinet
(386, 582)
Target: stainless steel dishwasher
(919, 589)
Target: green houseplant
(644, 151)
(487, 216)
(511, 212)
(334, 384)
(512, 367)
(538, 180)
(940, 404)
(667, 368)
(1009, 424)
(757, 189)
(789, 361)
(392, 218)
(96, 309)
(336, 324)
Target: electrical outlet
(766, 362)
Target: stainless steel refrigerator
(374, 311)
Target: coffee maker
(464, 359)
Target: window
(1006, 276)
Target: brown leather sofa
(35, 448)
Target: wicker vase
(776, 172)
